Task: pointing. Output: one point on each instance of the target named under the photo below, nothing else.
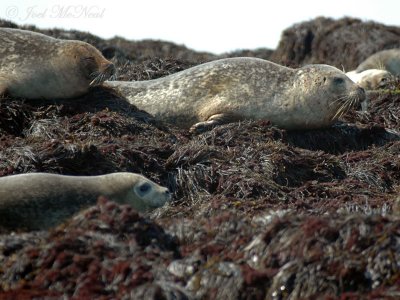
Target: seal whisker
(100, 77)
(94, 74)
(337, 114)
(341, 97)
(344, 107)
(352, 100)
(339, 100)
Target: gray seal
(37, 66)
(37, 201)
(388, 60)
(371, 79)
(231, 89)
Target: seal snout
(109, 68)
(106, 70)
(361, 98)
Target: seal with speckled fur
(36, 66)
(37, 201)
(226, 90)
(371, 79)
(388, 60)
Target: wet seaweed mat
(110, 251)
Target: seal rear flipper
(211, 122)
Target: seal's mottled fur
(371, 79)
(231, 89)
(36, 66)
(37, 201)
(388, 60)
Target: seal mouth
(98, 77)
(167, 197)
(354, 99)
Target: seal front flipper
(213, 121)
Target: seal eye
(338, 80)
(144, 189)
(89, 61)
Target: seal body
(38, 201)
(371, 79)
(34, 66)
(388, 60)
(232, 89)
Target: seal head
(86, 61)
(325, 94)
(141, 193)
(34, 66)
(371, 79)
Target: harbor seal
(371, 79)
(231, 89)
(388, 60)
(37, 66)
(37, 201)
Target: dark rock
(343, 43)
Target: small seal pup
(371, 79)
(388, 60)
(231, 89)
(37, 201)
(37, 66)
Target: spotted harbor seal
(37, 66)
(38, 201)
(388, 60)
(370, 79)
(232, 89)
